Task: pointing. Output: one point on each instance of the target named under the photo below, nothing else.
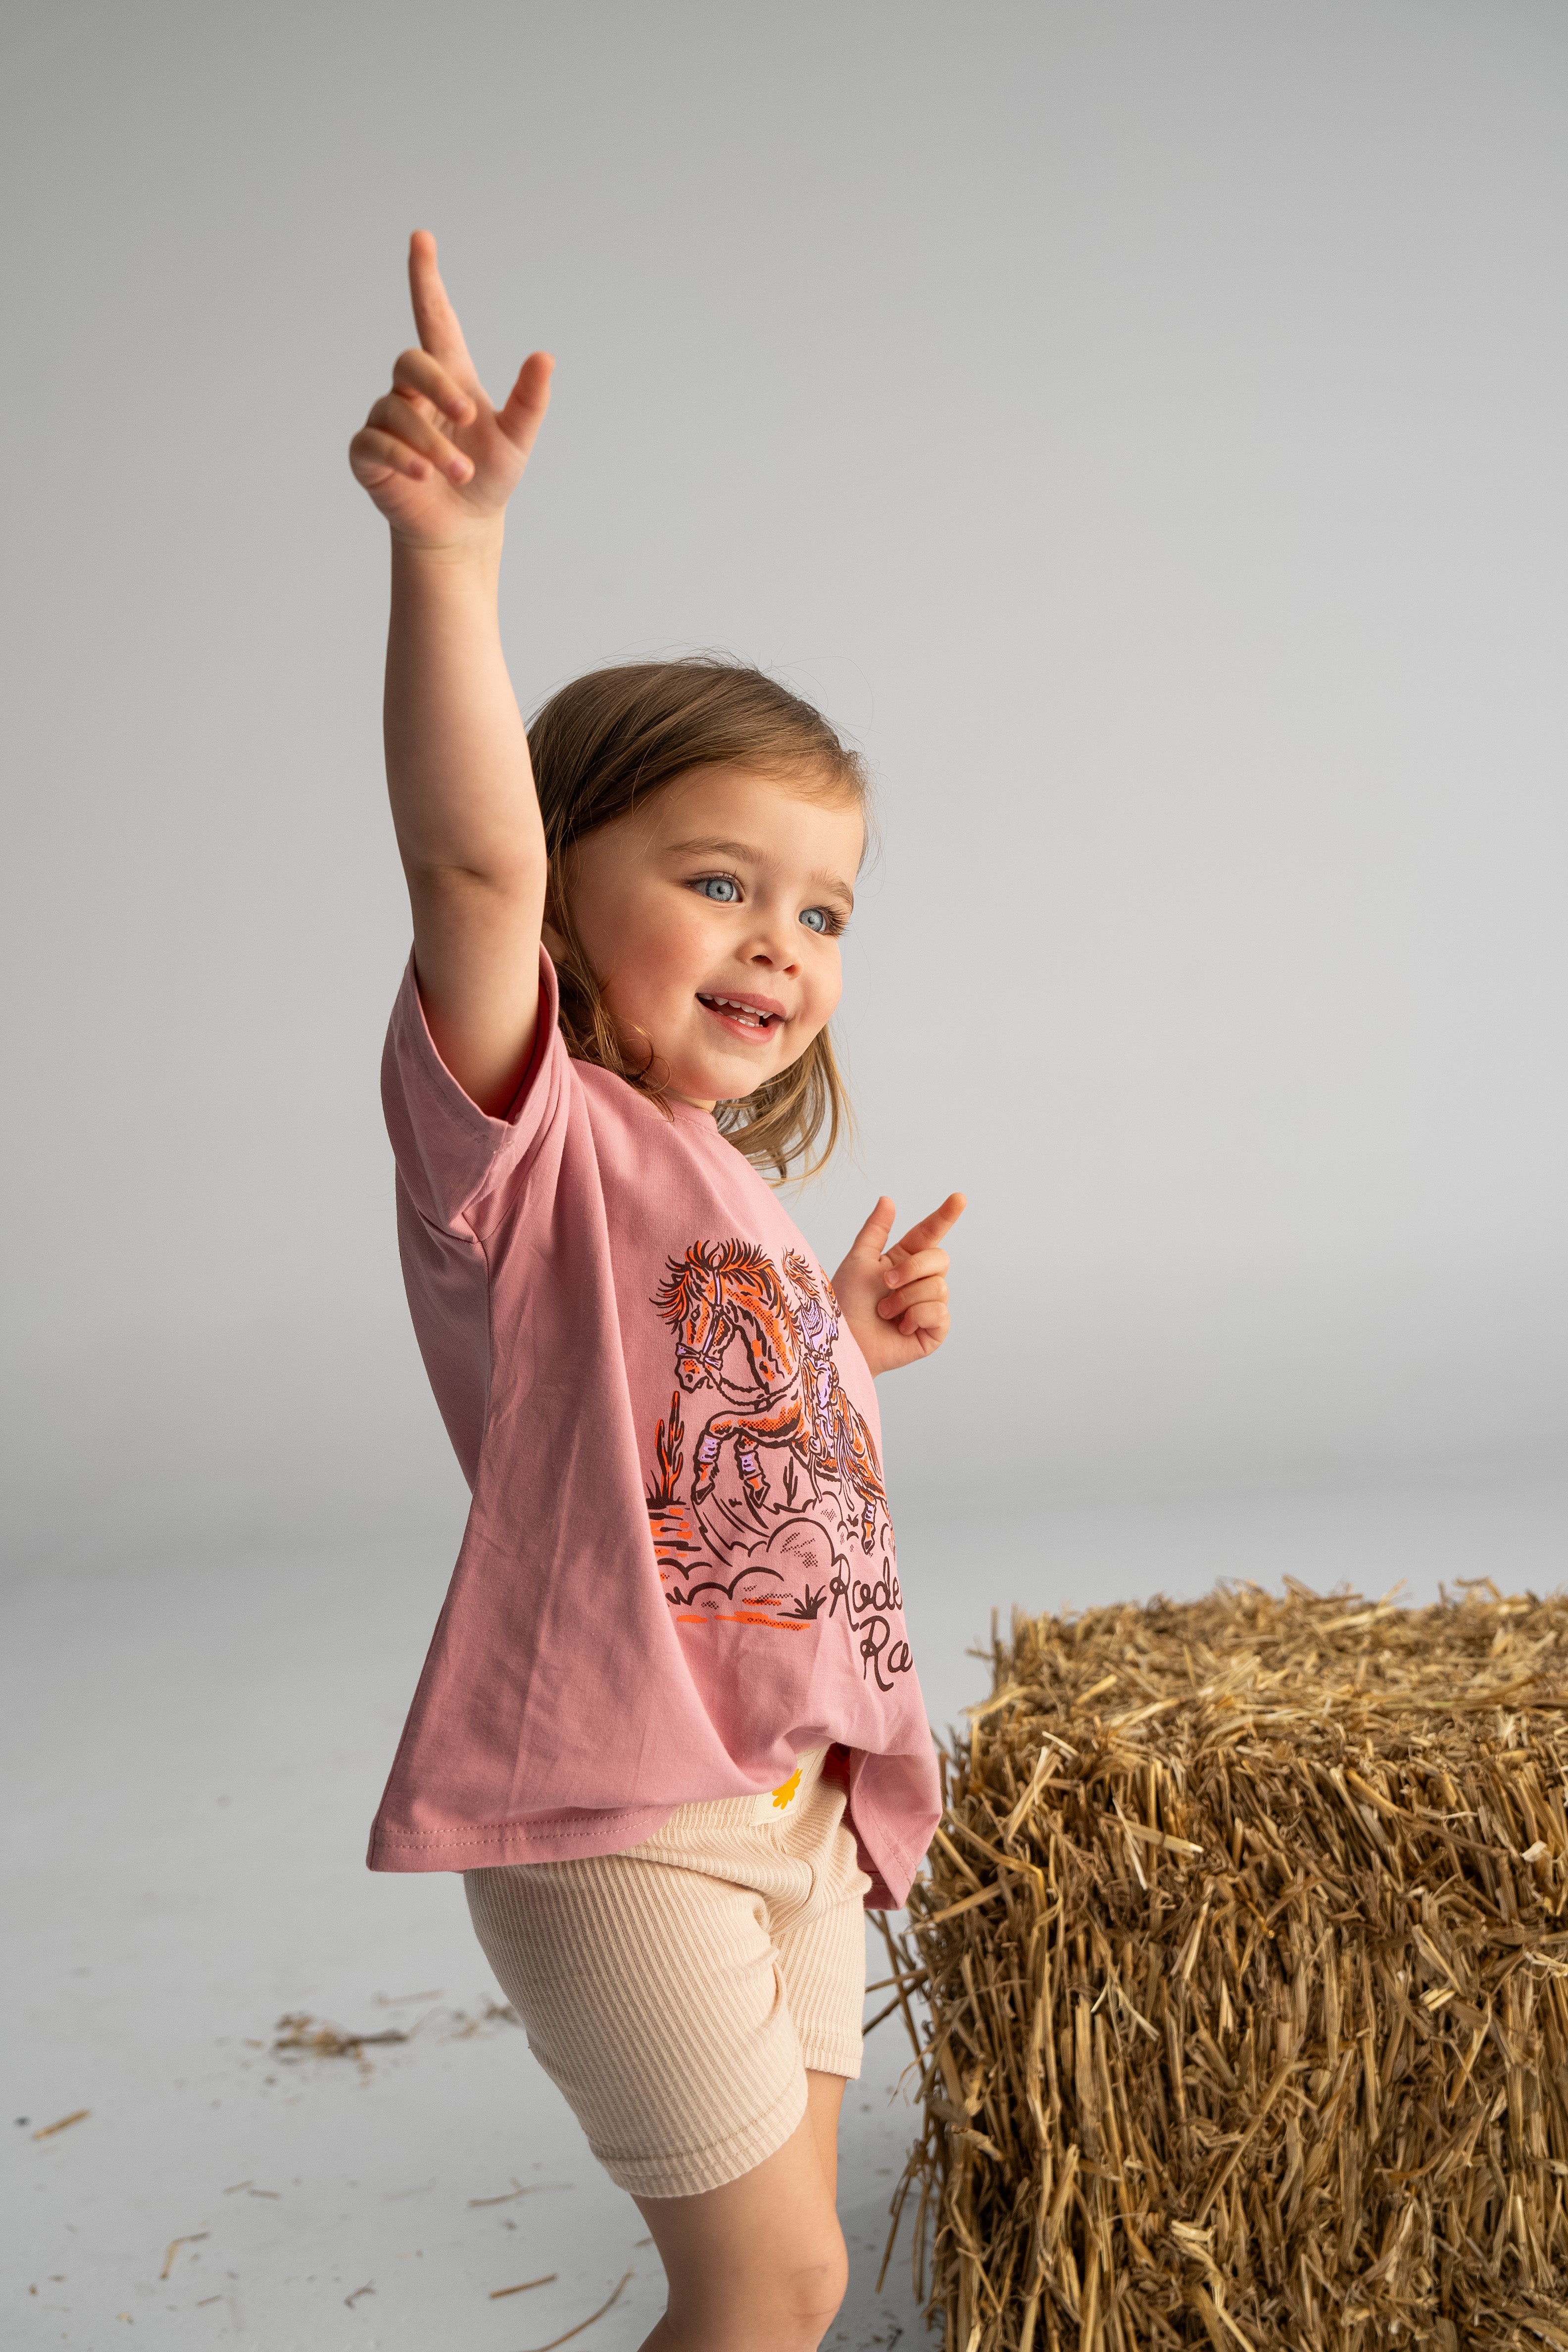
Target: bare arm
(440, 463)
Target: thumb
(871, 1240)
(526, 403)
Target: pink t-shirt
(679, 1570)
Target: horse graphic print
(783, 1518)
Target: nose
(775, 946)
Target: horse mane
(673, 1297)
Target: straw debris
(301, 2035)
(1244, 1942)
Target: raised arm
(440, 463)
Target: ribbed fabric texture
(677, 1993)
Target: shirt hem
(480, 1849)
(462, 1849)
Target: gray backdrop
(1141, 427)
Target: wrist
(475, 550)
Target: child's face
(727, 886)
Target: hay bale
(1245, 1946)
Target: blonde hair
(599, 748)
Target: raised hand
(894, 1293)
(438, 461)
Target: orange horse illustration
(724, 1292)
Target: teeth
(741, 1012)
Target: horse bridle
(724, 1327)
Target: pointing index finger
(930, 1228)
(433, 316)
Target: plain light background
(1140, 423)
(1140, 427)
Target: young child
(668, 1726)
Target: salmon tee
(678, 1572)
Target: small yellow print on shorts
(786, 1788)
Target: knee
(775, 2291)
(788, 2304)
(816, 2289)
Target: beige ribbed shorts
(677, 1992)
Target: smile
(747, 1011)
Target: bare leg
(824, 2097)
(760, 2265)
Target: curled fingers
(430, 387)
(403, 419)
(374, 455)
(932, 1290)
(914, 1266)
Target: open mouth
(751, 1015)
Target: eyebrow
(749, 850)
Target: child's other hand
(894, 1295)
(438, 459)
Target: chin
(719, 1086)
(729, 1079)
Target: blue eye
(814, 919)
(721, 887)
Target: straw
(1244, 1950)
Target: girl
(668, 1727)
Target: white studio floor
(193, 1756)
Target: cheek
(656, 949)
(827, 989)
(677, 943)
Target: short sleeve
(449, 1154)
